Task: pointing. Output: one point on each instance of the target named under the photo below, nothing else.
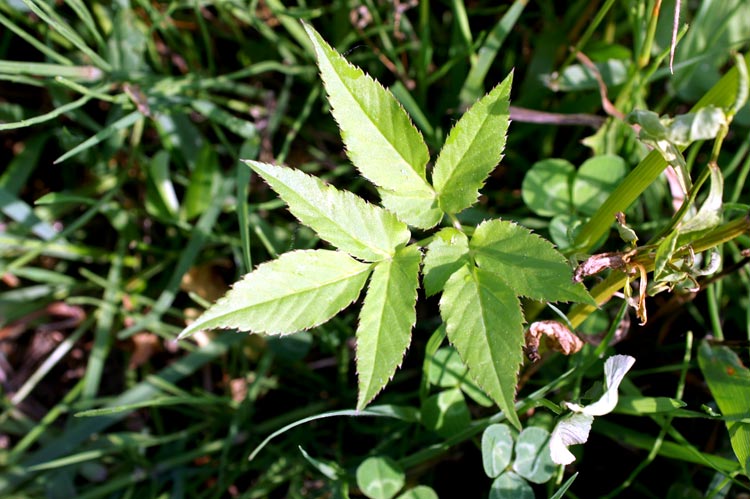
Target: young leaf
(526, 262)
(484, 322)
(664, 253)
(299, 290)
(709, 214)
(341, 218)
(472, 150)
(448, 252)
(385, 322)
(380, 138)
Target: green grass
(122, 197)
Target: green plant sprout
(481, 272)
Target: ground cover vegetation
(410, 249)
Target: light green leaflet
(448, 252)
(348, 222)
(385, 322)
(526, 262)
(297, 291)
(472, 150)
(380, 138)
(484, 322)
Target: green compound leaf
(526, 262)
(380, 477)
(497, 449)
(472, 150)
(448, 252)
(379, 136)
(343, 219)
(385, 322)
(299, 290)
(729, 382)
(484, 322)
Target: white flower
(574, 428)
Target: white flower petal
(570, 430)
(615, 369)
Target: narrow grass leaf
(379, 136)
(243, 128)
(729, 382)
(105, 317)
(31, 40)
(299, 290)
(381, 411)
(340, 217)
(472, 150)
(53, 19)
(639, 405)
(446, 253)
(386, 320)
(560, 493)
(24, 163)
(55, 113)
(17, 209)
(484, 322)
(204, 181)
(161, 199)
(104, 134)
(47, 70)
(81, 10)
(474, 84)
(162, 401)
(526, 262)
